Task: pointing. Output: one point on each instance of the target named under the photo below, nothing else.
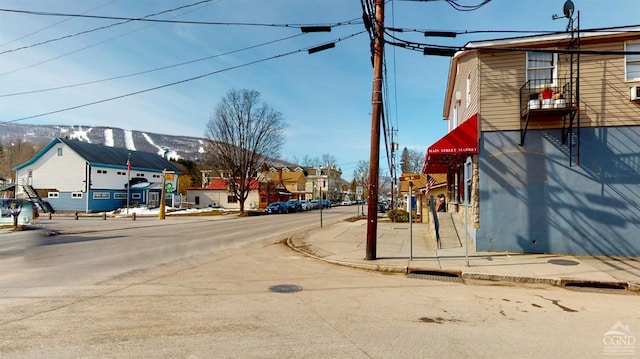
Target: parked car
(315, 204)
(306, 205)
(383, 206)
(294, 205)
(347, 203)
(276, 207)
(326, 203)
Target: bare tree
(242, 134)
(307, 161)
(415, 161)
(328, 160)
(361, 176)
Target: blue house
(71, 175)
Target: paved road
(195, 299)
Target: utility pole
(374, 159)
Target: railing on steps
(33, 195)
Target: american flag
(430, 182)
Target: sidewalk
(345, 243)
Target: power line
(53, 25)
(176, 82)
(151, 70)
(86, 47)
(97, 28)
(145, 19)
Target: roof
(220, 184)
(556, 36)
(8, 187)
(109, 156)
(527, 43)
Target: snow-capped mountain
(170, 146)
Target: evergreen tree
(405, 161)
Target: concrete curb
(373, 267)
(557, 282)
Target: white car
(347, 203)
(306, 205)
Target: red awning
(450, 149)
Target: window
(121, 173)
(101, 195)
(541, 68)
(120, 196)
(60, 151)
(232, 199)
(154, 196)
(76, 195)
(104, 172)
(53, 194)
(632, 62)
(136, 196)
(197, 200)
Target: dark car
(276, 207)
(294, 205)
(326, 203)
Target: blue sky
(325, 97)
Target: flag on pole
(430, 182)
(128, 165)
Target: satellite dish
(568, 9)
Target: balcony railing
(547, 97)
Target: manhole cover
(285, 288)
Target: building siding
(532, 201)
(604, 93)
(64, 173)
(467, 103)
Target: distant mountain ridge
(174, 147)
(169, 146)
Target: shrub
(398, 215)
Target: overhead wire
(96, 28)
(178, 82)
(53, 25)
(152, 70)
(188, 22)
(90, 45)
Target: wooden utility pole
(374, 159)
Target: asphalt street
(260, 299)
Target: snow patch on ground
(144, 211)
(108, 137)
(128, 140)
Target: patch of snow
(156, 211)
(128, 140)
(162, 151)
(200, 149)
(108, 137)
(81, 134)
